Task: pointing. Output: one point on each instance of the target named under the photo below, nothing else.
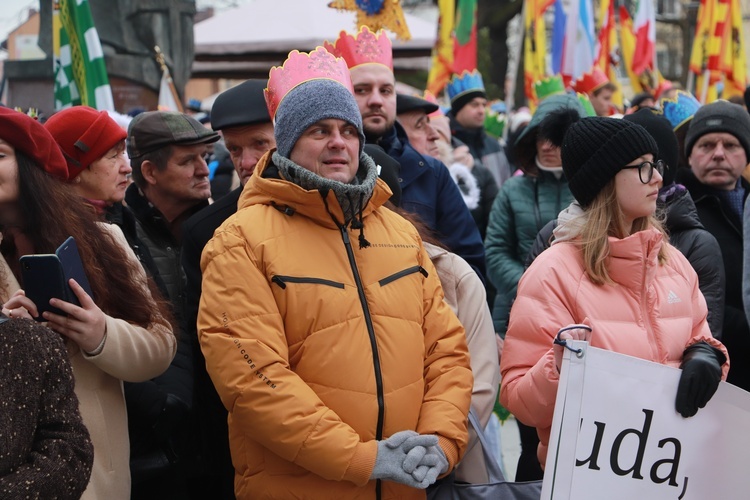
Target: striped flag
(732, 62)
(699, 53)
(442, 54)
(705, 56)
(456, 45)
(606, 44)
(465, 48)
(80, 72)
(535, 46)
(627, 47)
(558, 37)
(578, 50)
(720, 19)
(644, 26)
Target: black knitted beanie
(661, 130)
(596, 148)
(465, 98)
(719, 116)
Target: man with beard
(426, 185)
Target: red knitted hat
(29, 137)
(85, 135)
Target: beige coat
(465, 294)
(130, 353)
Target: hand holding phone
(45, 277)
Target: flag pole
(165, 68)
(704, 90)
(510, 96)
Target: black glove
(701, 374)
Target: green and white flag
(80, 71)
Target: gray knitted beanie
(311, 102)
(596, 148)
(719, 116)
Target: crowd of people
(319, 321)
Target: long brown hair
(53, 212)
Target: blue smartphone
(45, 276)
(72, 267)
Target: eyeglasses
(646, 170)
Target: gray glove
(433, 464)
(405, 447)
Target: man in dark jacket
(241, 115)
(717, 146)
(426, 185)
(686, 232)
(167, 152)
(414, 114)
(468, 102)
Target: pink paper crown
(301, 67)
(590, 81)
(366, 47)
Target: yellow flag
(534, 46)
(627, 48)
(442, 54)
(732, 63)
(699, 54)
(606, 46)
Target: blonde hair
(604, 218)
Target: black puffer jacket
(161, 446)
(720, 220)
(687, 234)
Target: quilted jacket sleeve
(447, 372)
(504, 267)
(247, 357)
(529, 374)
(701, 331)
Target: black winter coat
(720, 220)
(687, 234)
(214, 477)
(158, 410)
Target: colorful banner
(733, 63)
(627, 48)
(578, 51)
(535, 46)
(644, 27)
(442, 54)
(456, 45)
(616, 430)
(80, 70)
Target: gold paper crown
(301, 67)
(590, 81)
(366, 48)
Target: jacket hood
(266, 187)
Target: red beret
(29, 137)
(85, 135)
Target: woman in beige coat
(465, 294)
(120, 333)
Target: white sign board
(616, 434)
